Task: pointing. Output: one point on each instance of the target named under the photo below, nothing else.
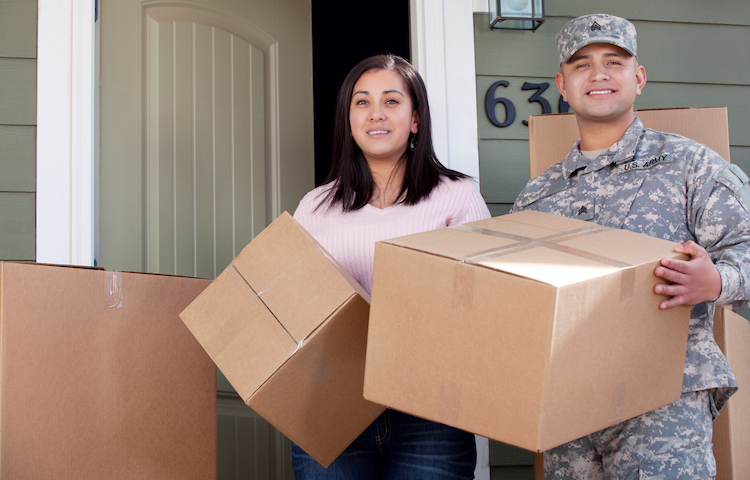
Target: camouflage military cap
(596, 28)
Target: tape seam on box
(113, 289)
(627, 285)
(301, 342)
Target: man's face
(600, 82)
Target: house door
(205, 137)
(205, 128)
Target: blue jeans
(397, 446)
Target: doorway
(344, 33)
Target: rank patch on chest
(644, 164)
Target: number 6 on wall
(490, 101)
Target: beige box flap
(540, 246)
(240, 334)
(552, 136)
(285, 267)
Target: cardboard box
(99, 377)
(529, 328)
(732, 428)
(287, 326)
(552, 136)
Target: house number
(490, 101)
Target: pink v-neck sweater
(350, 236)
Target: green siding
(18, 28)
(677, 52)
(510, 463)
(17, 91)
(17, 159)
(512, 473)
(730, 12)
(504, 169)
(17, 225)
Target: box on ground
(287, 326)
(552, 136)
(732, 428)
(529, 328)
(100, 378)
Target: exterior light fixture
(516, 14)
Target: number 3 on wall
(490, 101)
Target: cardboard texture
(287, 326)
(732, 428)
(529, 328)
(100, 379)
(552, 136)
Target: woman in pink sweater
(385, 181)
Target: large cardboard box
(552, 136)
(529, 328)
(287, 326)
(99, 378)
(732, 428)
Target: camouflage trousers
(669, 443)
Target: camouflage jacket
(670, 187)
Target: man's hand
(690, 282)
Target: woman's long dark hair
(351, 181)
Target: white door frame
(442, 50)
(66, 139)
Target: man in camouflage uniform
(622, 175)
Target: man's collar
(621, 151)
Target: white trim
(66, 132)
(83, 153)
(443, 53)
(482, 470)
(481, 6)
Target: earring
(412, 142)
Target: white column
(442, 49)
(66, 132)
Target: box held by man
(529, 328)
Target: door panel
(207, 105)
(206, 136)
(206, 129)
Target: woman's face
(381, 116)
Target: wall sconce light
(516, 14)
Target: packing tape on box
(240, 324)
(463, 286)
(261, 293)
(627, 284)
(113, 289)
